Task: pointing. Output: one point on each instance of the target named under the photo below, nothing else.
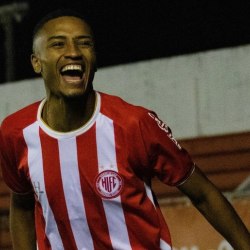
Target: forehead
(66, 25)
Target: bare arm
(216, 209)
(22, 226)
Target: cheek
(48, 69)
(50, 78)
(93, 63)
(90, 55)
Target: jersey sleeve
(169, 161)
(12, 175)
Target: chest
(95, 163)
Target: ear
(35, 61)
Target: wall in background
(202, 94)
(197, 95)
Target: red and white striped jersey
(92, 185)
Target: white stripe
(73, 193)
(164, 245)
(107, 160)
(149, 193)
(35, 162)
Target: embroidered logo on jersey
(109, 184)
(165, 128)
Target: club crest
(109, 184)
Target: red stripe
(165, 234)
(140, 214)
(42, 239)
(88, 167)
(54, 189)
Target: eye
(57, 44)
(85, 43)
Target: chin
(73, 95)
(77, 94)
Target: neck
(68, 114)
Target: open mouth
(72, 72)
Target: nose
(72, 51)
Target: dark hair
(56, 14)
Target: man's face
(64, 54)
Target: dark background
(135, 30)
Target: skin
(22, 221)
(63, 41)
(216, 209)
(70, 104)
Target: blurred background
(128, 31)
(187, 60)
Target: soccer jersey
(92, 185)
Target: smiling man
(64, 55)
(80, 163)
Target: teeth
(72, 67)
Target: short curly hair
(53, 15)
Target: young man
(80, 162)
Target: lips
(72, 73)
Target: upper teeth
(72, 67)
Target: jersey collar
(81, 130)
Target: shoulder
(117, 108)
(20, 119)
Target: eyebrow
(64, 37)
